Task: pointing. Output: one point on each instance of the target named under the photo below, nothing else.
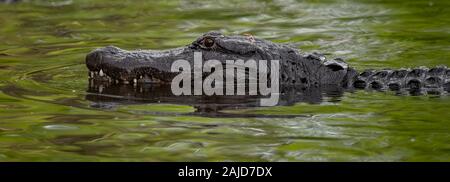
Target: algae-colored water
(45, 115)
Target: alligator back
(418, 80)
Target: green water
(45, 116)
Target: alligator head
(121, 66)
(154, 66)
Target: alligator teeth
(100, 88)
(91, 74)
(135, 80)
(101, 72)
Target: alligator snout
(94, 60)
(113, 64)
(98, 66)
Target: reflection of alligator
(112, 64)
(107, 95)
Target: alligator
(297, 69)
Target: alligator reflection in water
(107, 94)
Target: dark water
(47, 114)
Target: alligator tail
(433, 80)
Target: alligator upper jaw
(112, 64)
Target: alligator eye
(208, 42)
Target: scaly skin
(112, 64)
